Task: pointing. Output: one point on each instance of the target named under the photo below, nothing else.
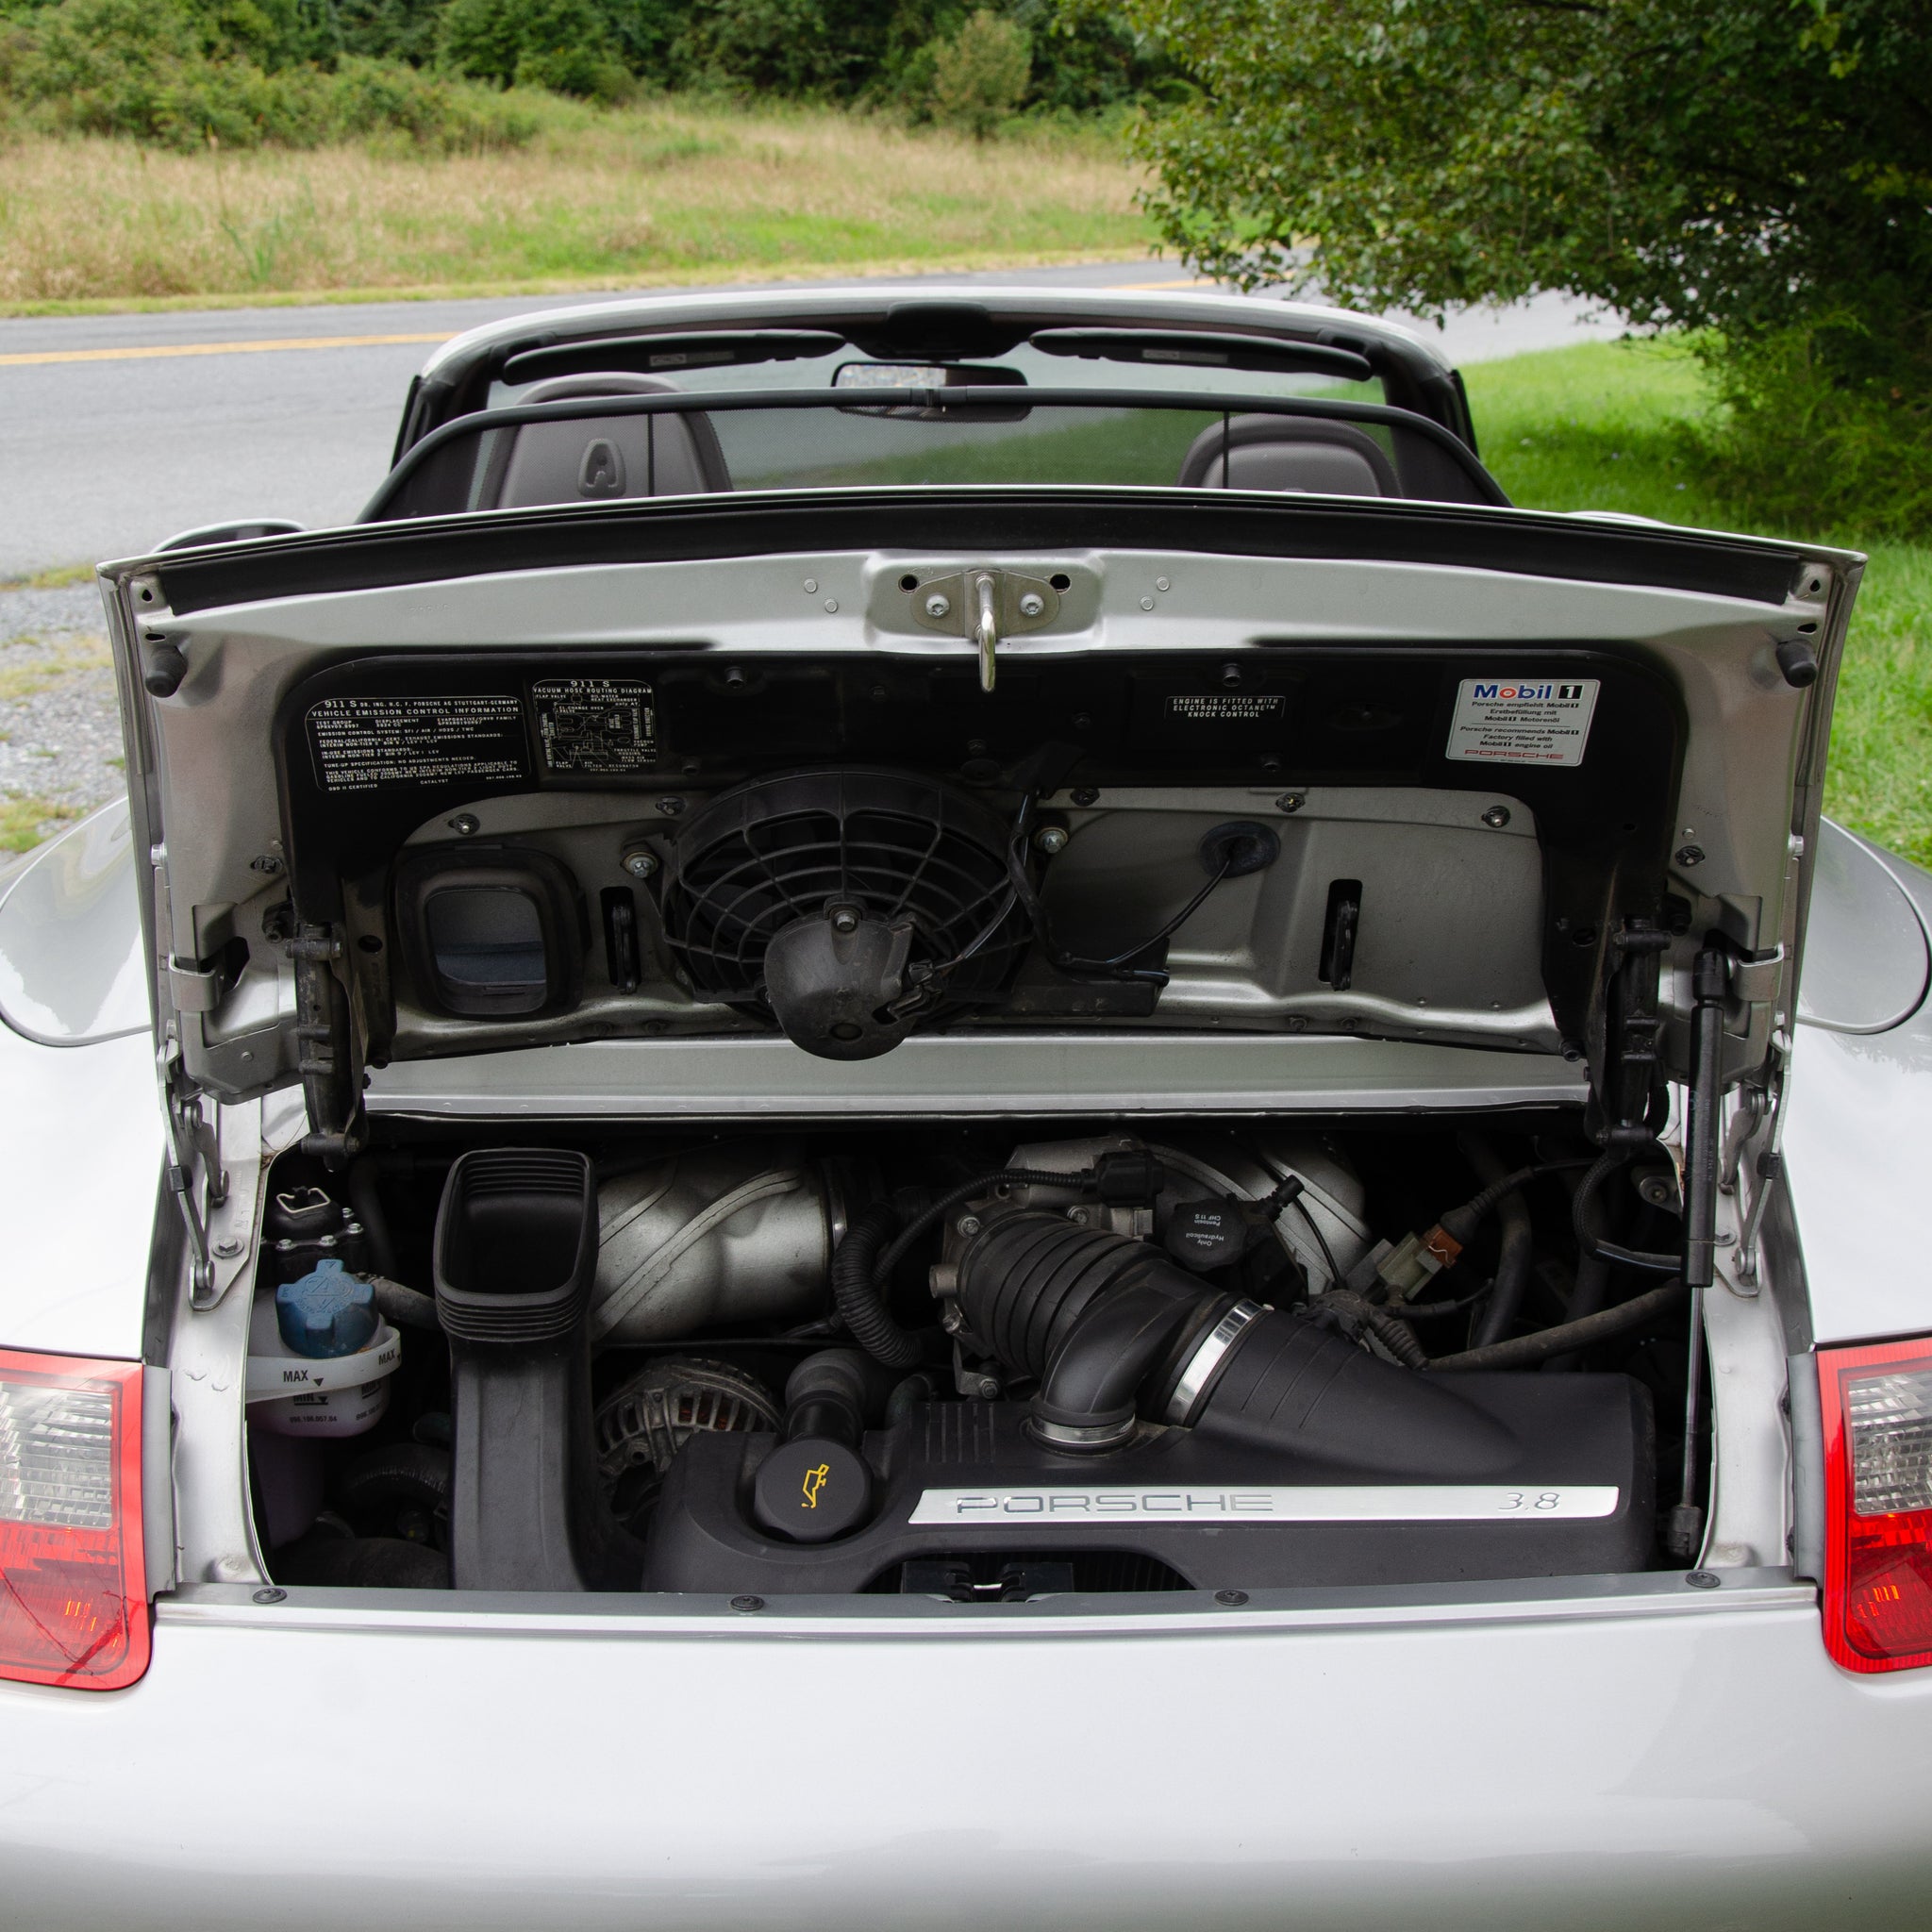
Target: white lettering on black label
(1535, 721)
(1225, 708)
(601, 726)
(362, 745)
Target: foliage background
(301, 73)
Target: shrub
(564, 45)
(141, 68)
(1802, 446)
(761, 46)
(980, 74)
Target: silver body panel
(1670, 1759)
(1859, 1123)
(1597, 1753)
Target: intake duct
(516, 1247)
(1117, 1334)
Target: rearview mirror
(927, 381)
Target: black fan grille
(786, 848)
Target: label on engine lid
(1353, 1503)
(596, 726)
(1542, 720)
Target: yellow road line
(155, 349)
(147, 352)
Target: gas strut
(1703, 1124)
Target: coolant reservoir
(319, 1357)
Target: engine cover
(963, 1481)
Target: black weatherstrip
(999, 521)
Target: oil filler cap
(812, 1490)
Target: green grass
(1614, 426)
(44, 673)
(61, 577)
(25, 821)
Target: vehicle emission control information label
(1500, 721)
(596, 726)
(1211, 1503)
(361, 744)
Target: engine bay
(931, 1362)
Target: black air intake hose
(1114, 1330)
(861, 1307)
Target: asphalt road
(118, 430)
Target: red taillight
(1877, 1406)
(73, 1579)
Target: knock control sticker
(596, 726)
(362, 745)
(1228, 707)
(1536, 722)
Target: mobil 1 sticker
(1538, 720)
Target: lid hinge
(326, 1053)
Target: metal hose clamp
(1207, 1359)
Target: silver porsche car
(932, 1106)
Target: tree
(980, 74)
(1761, 169)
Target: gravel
(61, 742)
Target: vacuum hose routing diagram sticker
(1539, 720)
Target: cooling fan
(849, 906)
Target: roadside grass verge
(1613, 425)
(60, 577)
(42, 673)
(25, 820)
(668, 191)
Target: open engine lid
(547, 786)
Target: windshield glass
(777, 449)
(884, 437)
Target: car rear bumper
(1659, 1759)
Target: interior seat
(590, 459)
(1303, 454)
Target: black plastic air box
(963, 1480)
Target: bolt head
(1050, 838)
(1162, 584)
(670, 806)
(466, 824)
(1704, 1579)
(1032, 603)
(228, 1248)
(1234, 1599)
(641, 865)
(270, 1595)
(1146, 603)
(988, 1387)
(1291, 801)
(938, 606)
(1496, 817)
(1086, 795)
(968, 1224)
(266, 863)
(811, 584)
(747, 1604)
(1690, 854)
